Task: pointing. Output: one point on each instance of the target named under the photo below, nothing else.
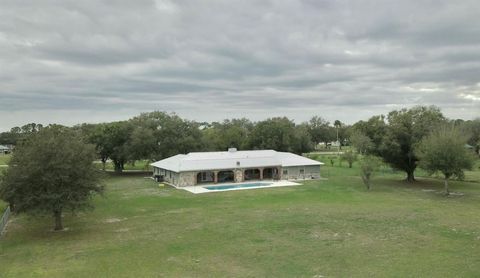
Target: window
(285, 172)
(302, 171)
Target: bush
(350, 157)
(368, 165)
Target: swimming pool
(234, 186)
(213, 188)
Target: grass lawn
(473, 175)
(4, 158)
(333, 228)
(3, 206)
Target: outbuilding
(234, 166)
(5, 149)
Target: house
(234, 166)
(469, 147)
(5, 149)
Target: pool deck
(201, 188)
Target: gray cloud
(90, 61)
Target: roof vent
(232, 150)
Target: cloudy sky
(92, 61)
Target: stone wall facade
(238, 175)
(187, 179)
(285, 173)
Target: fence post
(4, 219)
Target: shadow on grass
(434, 187)
(127, 173)
(40, 228)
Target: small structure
(5, 149)
(234, 166)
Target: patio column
(215, 176)
(239, 175)
(261, 173)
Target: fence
(4, 219)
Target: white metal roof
(197, 161)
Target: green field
(4, 158)
(3, 206)
(329, 228)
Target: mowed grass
(473, 175)
(3, 206)
(330, 228)
(4, 159)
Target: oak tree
(444, 151)
(50, 172)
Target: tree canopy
(368, 165)
(362, 143)
(405, 129)
(51, 171)
(280, 134)
(168, 135)
(443, 150)
(350, 157)
(229, 133)
(374, 128)
(320, 130)
(17, 134)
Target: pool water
(231, 186)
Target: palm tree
(337, 124)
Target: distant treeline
(158, 135)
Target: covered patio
(207, 177)
(269, 173)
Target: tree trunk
(410, 176)
(12, 206)
(447, 191)
(350, 164)
(366, 180)
(118, 167)
(58, 220)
